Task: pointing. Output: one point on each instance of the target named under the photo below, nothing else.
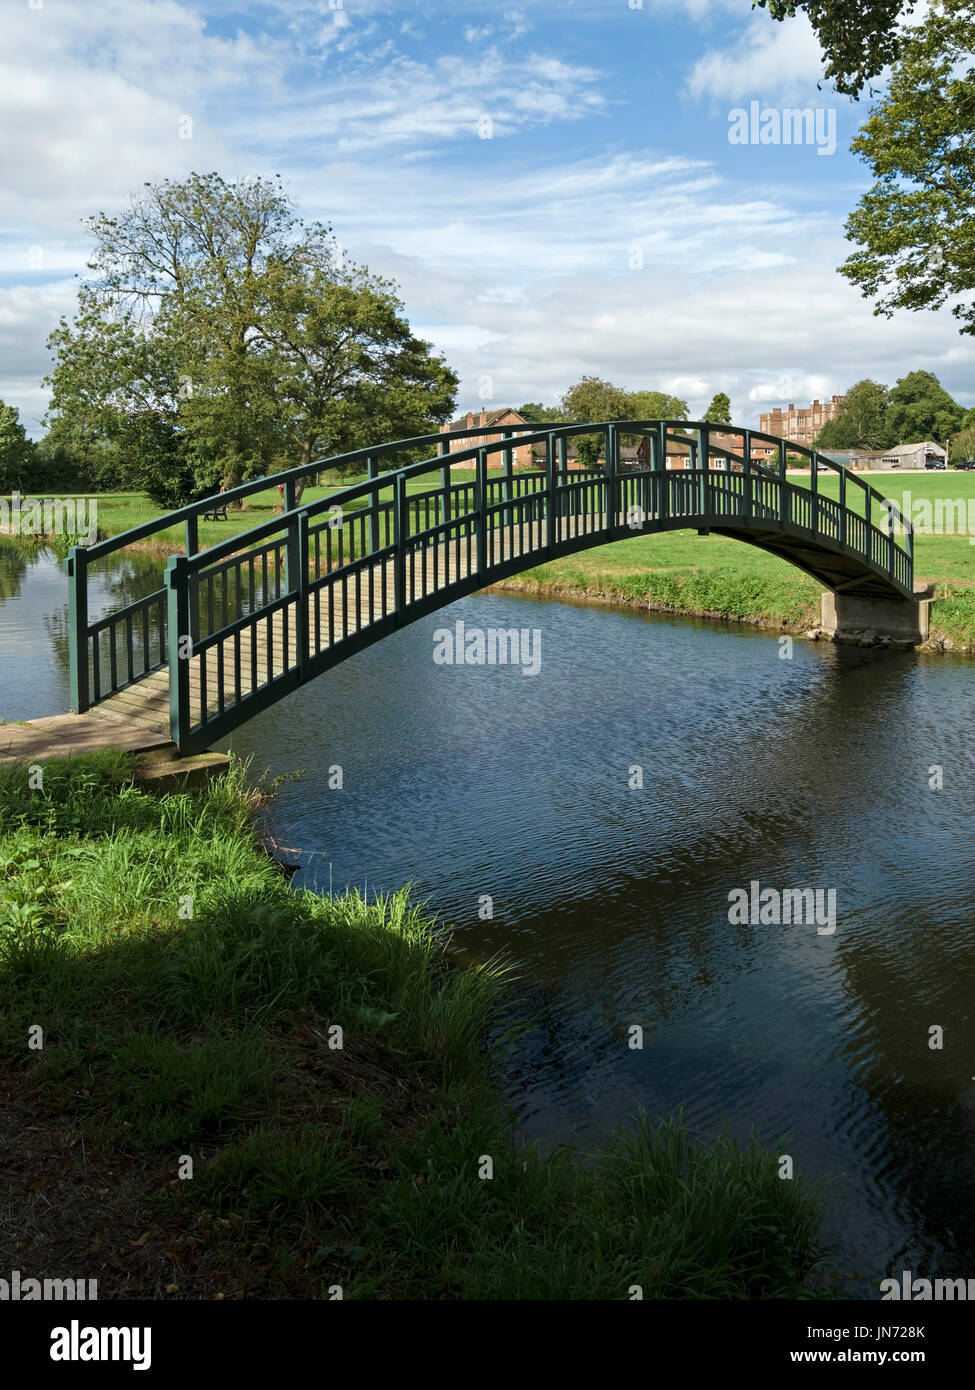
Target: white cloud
(770, 60)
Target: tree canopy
(874, 417)
(16, 450)
(858, 37)
(915, 227)
(919, 408)
(221, 337)
(537, 414)
(593, 399)
(719, 411)
(862, 420)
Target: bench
(217, 514)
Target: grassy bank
(188, 1000)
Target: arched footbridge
(239, 625)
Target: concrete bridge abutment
(871, 621)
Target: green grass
(206, 1035)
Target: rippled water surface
(809, 772)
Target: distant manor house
(800, 426)
(522, 454)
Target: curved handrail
(512, 436)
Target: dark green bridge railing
(244, 622)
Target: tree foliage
(593, 399)
(915, 228)
(719, 411)
(858, 37)
(872, 416)
(221, 338)
(537, 414)
(16, 450)
(861, 422)
(920, 408)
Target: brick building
(800, 426)
(522, 454)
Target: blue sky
(551, 183)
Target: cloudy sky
(552, 184)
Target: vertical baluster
(78, 635)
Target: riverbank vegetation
(180, 1122)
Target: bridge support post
(301, 598)
(843, 507)
(612, 481)
(890, 542)
(372, 472)
(480, 511)
(660, 459)
(507, 458)
(177, 632)
(289, 506)
(78, 628)
(783, 485)
(871, 621)
(444, 452)
(192, 547)
(400, 522)
(551, 525)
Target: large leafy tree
(862, 421)
(16, 450)
(920, 408)
(220, 337)
(915, 227)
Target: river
(806, 771)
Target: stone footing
(162, 771)
(875, 622)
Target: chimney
(483, 419)
(470, 419)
